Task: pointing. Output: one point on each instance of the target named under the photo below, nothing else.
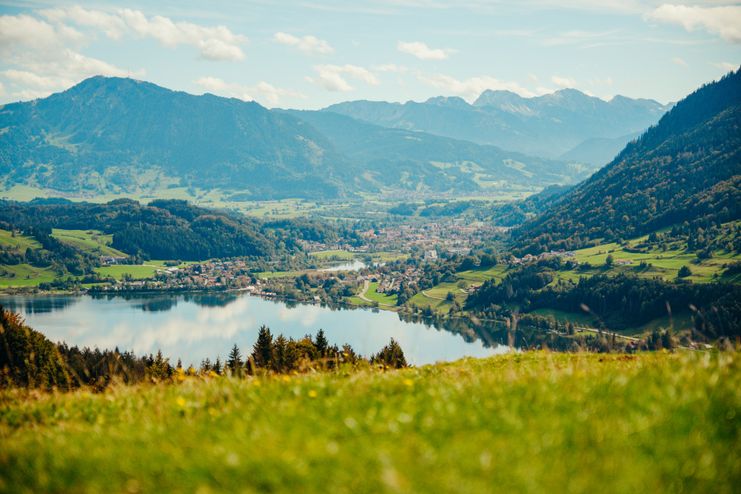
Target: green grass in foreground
(532, 422)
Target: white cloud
(471, 88)
(112, 25)
(33, 33)
(262, 92)
(212, 42)
(42, 58)
(725, 21)
(679, 61)
(42, 54)
(332, 77)
(422, 51)
(216, 49)
(307, 44)
(563, 81)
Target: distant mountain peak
(572, 91)
(453, 101)
(497, 97)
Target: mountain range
(684, 170)
(552, 125)
(127, 134)
(131, 136)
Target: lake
(199, 325)
(353, 265)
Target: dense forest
(685, 169)
(620, 301)
(159, 230)
(165, 229)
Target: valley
(382, 246)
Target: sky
(313, 53)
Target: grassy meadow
(91, 241)
(136, 271)
(381, 298)
(529, 422)
(24, 275)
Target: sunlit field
(532, 422)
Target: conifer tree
(280, 354)
(206, 365)
(234, 361)
(160, 367)
(321, 343)
(390, 356)
(262, 351)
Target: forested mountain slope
(159, 230)
(108, 135)
(685, 169)
(133, 137)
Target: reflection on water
(196, 326)
(211, 299)
(37, 305)
(353, 265)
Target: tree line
(614, 301)
(170, 229)
(29, 359)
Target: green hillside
(685, 169)
(91, 241)
(17, 242)
(134, 136)
(24, 275)
(533, 422)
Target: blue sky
(312, 53)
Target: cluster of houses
(528, 258)
(112, 260)
(209, 275)
(453, 237)
(391, 283)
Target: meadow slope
(532, 422)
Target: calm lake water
(353, 265)
(195, 326)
